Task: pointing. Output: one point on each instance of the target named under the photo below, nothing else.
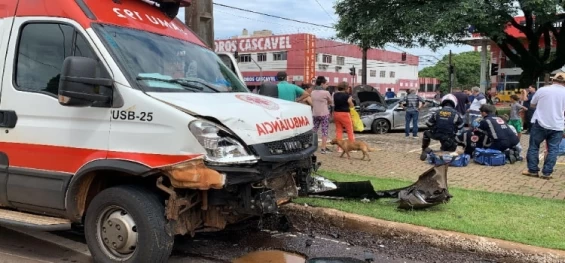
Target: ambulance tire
(128, 205)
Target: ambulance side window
(42, 48)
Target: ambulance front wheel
(127, 224)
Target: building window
(422, 88)
(317, 57)
(244, 58)
(322, 67)
(360, 72)
(392, 74)
(383, 74)
(279, 56)
(372, 73)
(39, 71)
(327, 59)
(261, 57)
(341, 61)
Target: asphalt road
(228, 246)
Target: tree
(467, 70)
(436, 23)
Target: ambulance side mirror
(79, 84)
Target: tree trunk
(529, 77)
(364, 67)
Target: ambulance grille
(291, 145)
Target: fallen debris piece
(430, 190)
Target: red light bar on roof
(183, 3)
(169, 7)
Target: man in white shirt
(547, 124)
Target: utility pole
(484, 66)
(450, 71)
(199, 16)
(364, 66)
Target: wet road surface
(232, 244)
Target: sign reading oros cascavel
(255, 44)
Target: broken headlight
(220, 145)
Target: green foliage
(436, 23)
(467, 70)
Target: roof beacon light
(169, 7)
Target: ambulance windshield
(164, 64)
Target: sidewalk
(398, 157)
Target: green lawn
(527, 220)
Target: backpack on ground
(458, 161)
(489, 157)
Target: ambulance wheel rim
(117, 232)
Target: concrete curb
(301, 215)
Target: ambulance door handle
(8, 118)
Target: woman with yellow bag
(356, 120)
(342, 113)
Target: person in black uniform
(500, 135)
(472, 139)
(444, 125)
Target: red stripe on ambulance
(70, 160)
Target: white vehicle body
(97, 133)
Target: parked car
(380, 121)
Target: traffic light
(493, 69)
(403, 56)
(352, 71)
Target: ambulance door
(46, 143)
(7, 13)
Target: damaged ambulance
(116, 118)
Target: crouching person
(444, 125)
(501, 136)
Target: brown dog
(348, 146)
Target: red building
(304, 56)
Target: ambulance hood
(253, 118)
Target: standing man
(527, 96)
(547, 125)
(479, 99)
(288, 91)
(413, 104)
(390, 94)
(437, 96)
(462, 101)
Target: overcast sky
(229, 22)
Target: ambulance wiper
(199, 81)
(182, 82)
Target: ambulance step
(38, 222)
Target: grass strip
(527, 220)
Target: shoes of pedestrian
(328, 150)
(323, 151)
(424, 154)
(415, 137)
(528, 173)
(543, 176)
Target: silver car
(380, 120)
